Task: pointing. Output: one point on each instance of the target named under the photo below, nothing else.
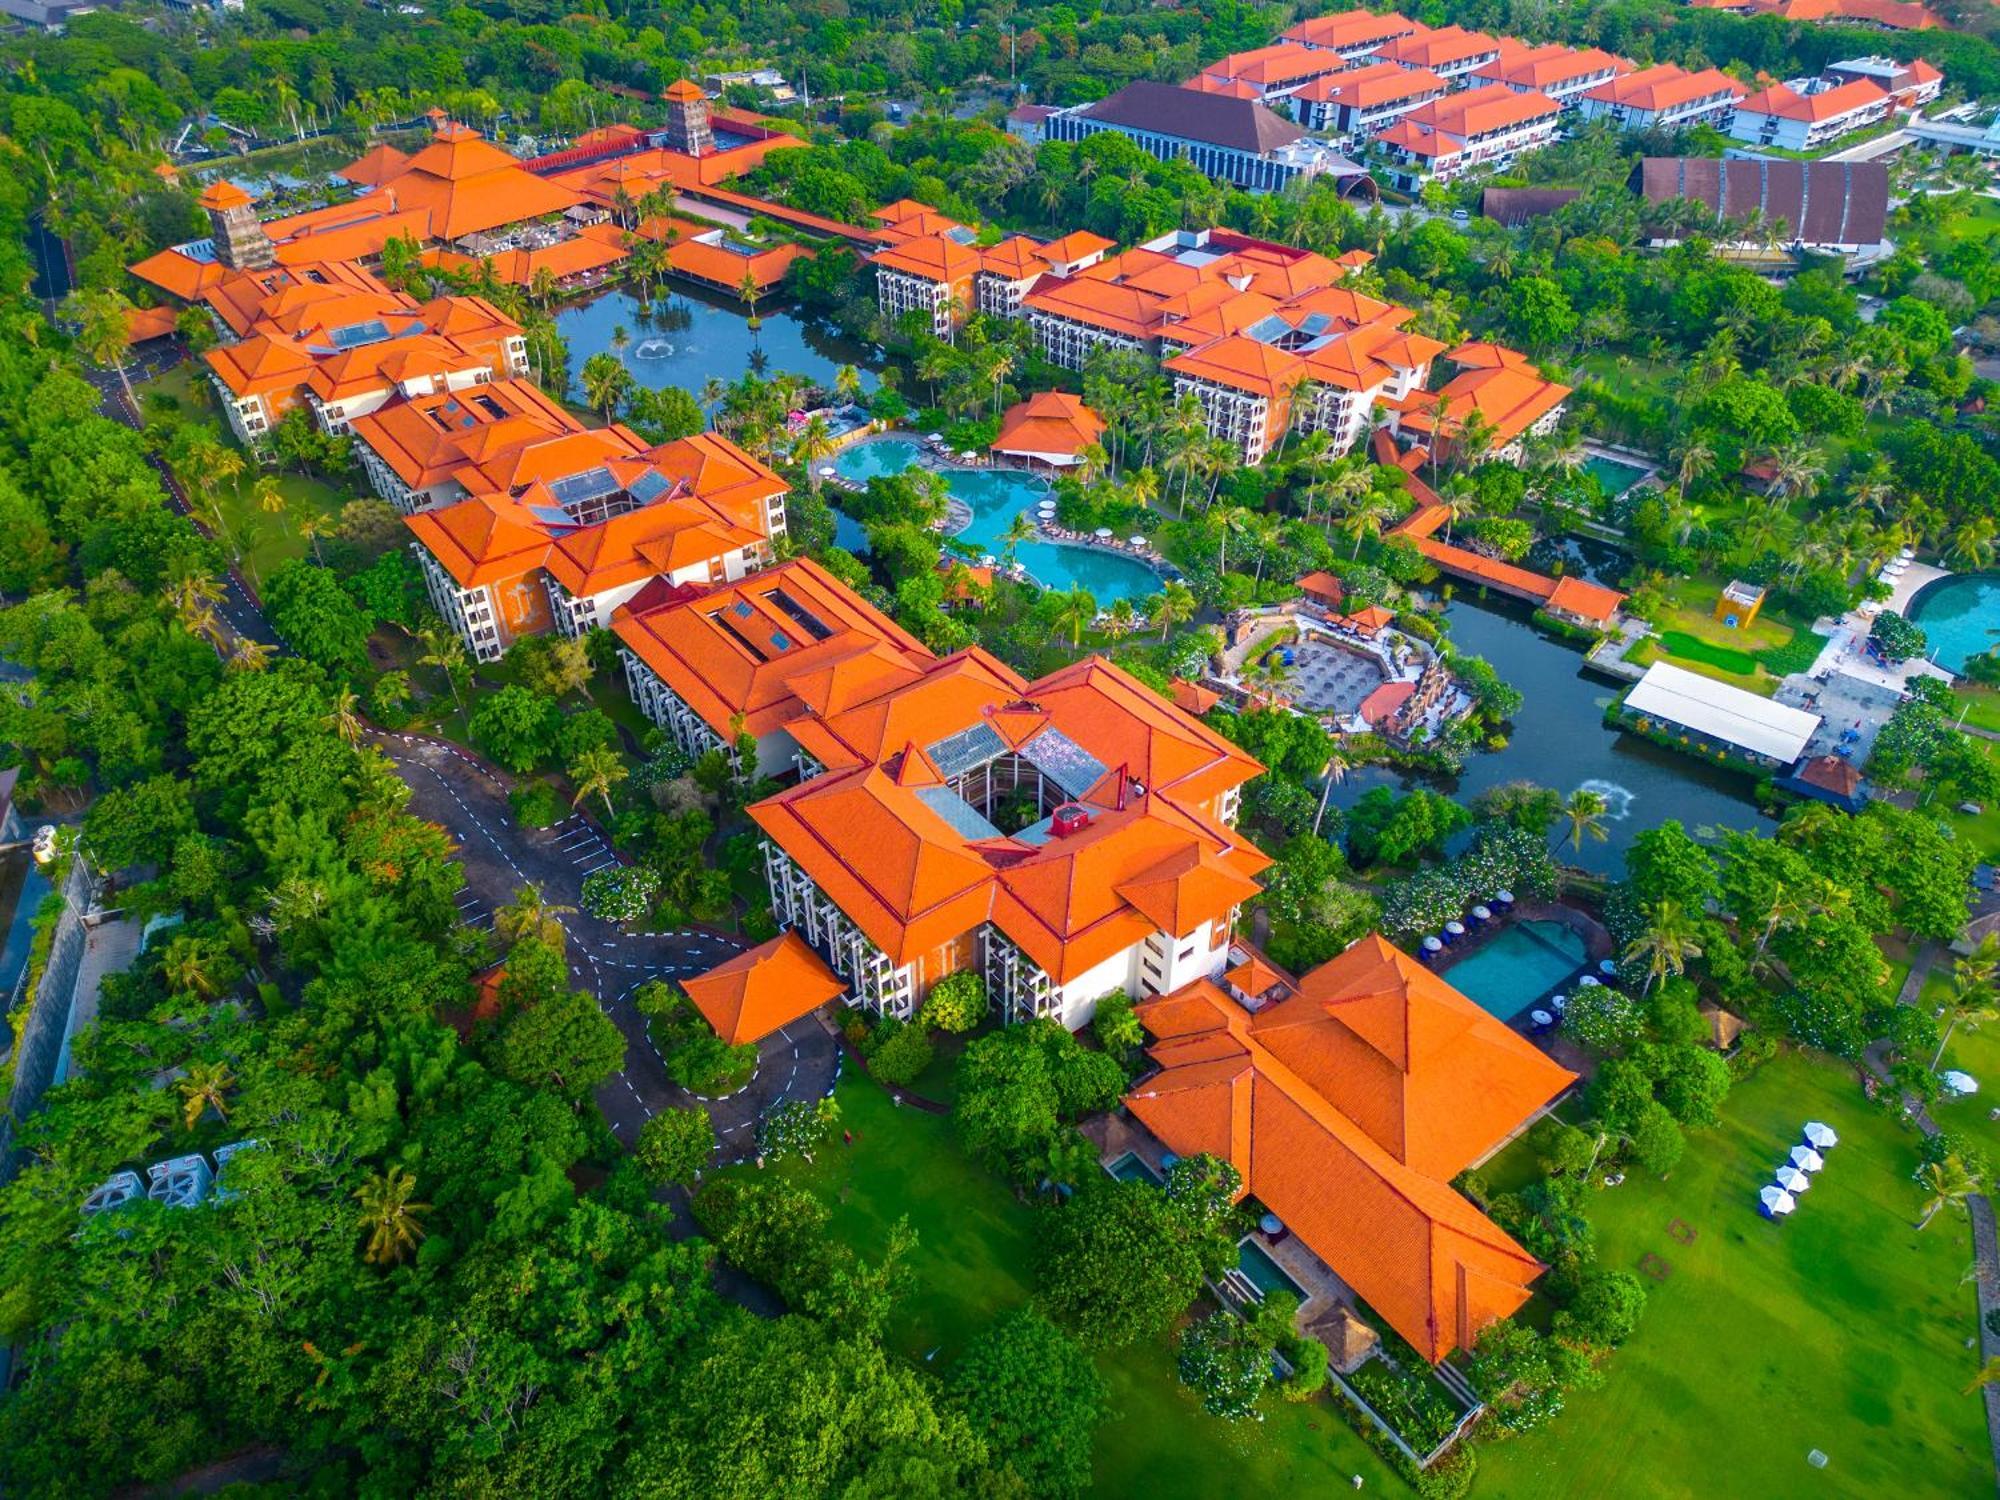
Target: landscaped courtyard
(1841, 1328)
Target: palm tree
(197, 966)
(1019, 530)
(814, 442)
(1695, 463)
(1666, 945)
(390, 1215)
(1226, 519)
(847, 383)
(1949, 1185)
(102, 333)
(1585, 810)
(528, 915)
(1364, 518)
(1797, 469)
(1174, 605)
(251, 655)
(193, 598)
(1972, 544)
(344, 718)
(749, 291)
(605, 382)
(446, 652)
(269, 495)
(1075, 610)
(204, 1088)
(312, 527)
(1119, 618)
(1335, 773)
(595, 772)
(621, 340)
(1972, 995)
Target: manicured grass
(265, 539)
(1690, 648)
(974, 1260)
(1982, 707)
(1841, 1329)
(1974, 1050)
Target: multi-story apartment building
(1663, 98)
(1451, 52)
(1485, 126)
(1802, 118)
(563, 552)
(1564, 74)
(1274, 72)
(1497, 391)
(1353, 34)
(932, 276)
(1366, 100)
(1911, 84)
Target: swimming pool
(1616, 477)
(1264, 1273)
(1131, 1167)
(1960, 616)
(1517, 966)
(995, 497)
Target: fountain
(654, 348)
(1617, 800)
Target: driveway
(469, 800)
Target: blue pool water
(1616, 477)
(1131, 1167)
(1264, 1273)
(1517, 966)
(995, 497)
(1961, 616)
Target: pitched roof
(374, 166)
(1346, 1104)
(1351, 28)
(1821, 202)
(1167, 109)
(763, 989)
(934, 257)
(1664, 87)
(1049, 422)
(1440, 48)
(464, 184)
(1786, 103)
(1375, 84)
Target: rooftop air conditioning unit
(181, 1182)
(223, 1192)
(1071, 817)
(117, 1190)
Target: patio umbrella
(1137, 541)
(1558, 1003)
(1607, 967)
(936, 437)
(1960, 1083)
(1454, 929)
(1820, 1137)
(1482, 913)
(826, 471)
(1505, 898)
(1271, 1224)
(1775, 1201)
(968, 455)
(1792, 1180)
(1806, 1159)
(1433, 945)
(1541, 1018)
(1589, 982)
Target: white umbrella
(1590, 982)
(1820, 1137)
(1137, 541)
(826, 472)
(1776, 1201)
(1806, 1159)
(936, 437)
(1541, 1018)
(1961, 1083)
(1792, 1180)
(1104, 533)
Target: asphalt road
(469, 800)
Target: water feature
(1264, 1273)
(1131, 1167)
(1560, 740)
(1615, 475)
(1961, 616)
(1518, 966)
(995, 497)
(686, 336)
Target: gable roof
(763, 989)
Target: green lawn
(974, 1260)
(1982, 706)
(265, 539)
(1841, 1329)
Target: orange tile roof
(932, 257)
(179, 274)
(1324, 587)
(1482, 110)
(1664, 87)
(1078, 244)
(1229, 88)
(143, 323)
(466, 185)
(1440, 48)
(1375, 84)
(428, 440)
(374, 166)
(576, 256)
(1544, 67)
(223, 194)
(1591, 601)
(709, 259)
(1017, 258)
(1049, 422)
(1786, 103)
(763, 989)
(1347, 1104)
(683, 91)
(1192, 697)
(1271, 67)
(1242, 364)
(1352, 28)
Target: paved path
(108, 948)
(468, 798)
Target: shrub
(798, 1127)
(702, 1063)
(897, 1052)
(1605, 1311)
(1310, 1363)
(623, 893)
(536, 805)
(957, 1002)
(674, 1145)
(1225, 1364)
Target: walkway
(108, 948)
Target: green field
(1841, 1329)
(974, 1260)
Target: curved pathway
(468, 798)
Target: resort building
(931, 275)
(1066, 838)
(710, 666)
(718, 260)
(1809, 116)
(1270, 72)
(432, 450)
(1710, 715)
(1353, 34)
(1234, 140)
(1365, 100)
(1451, 52)
(1348, 1100)
(564, 550)
(573, 260)
(1663, 98)
(1006, 273)
(1562, 73)
(1052, 428)
(1831, 207)
(1874, 15)
(1910, 84)
(1488, 126)
(1497, 391)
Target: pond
(1961, 616)
(995, 497)
(1560, 740)
(688, 336)
(1517, 966)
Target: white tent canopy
(1806, 1159)
(1820, 1137)
(1721, 712)
(1776, 1201)
(1960, 1083)
(1792, 1180)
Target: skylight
(1064, 761)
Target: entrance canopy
(761, 990)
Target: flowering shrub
(623, 893)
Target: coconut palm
(1076, 608)
(1019, 530)
(1797, 469)
(595, 772)
(197, 965)
(1695, 462)
(528, 915)
(250, 655)
(814, 442)
(1972, 996)
(1174, 605)
(847, 383)
(344, 718)
(205, 1087)
(1364, 518)
(1119, 619)
(606, 382)
(103, 335)
(312, 528)
(1948, 1184)
(1972, 544)
(390, 1215)
(1666, 945)
(447, 653)
(1585, 810)
(193, 597)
